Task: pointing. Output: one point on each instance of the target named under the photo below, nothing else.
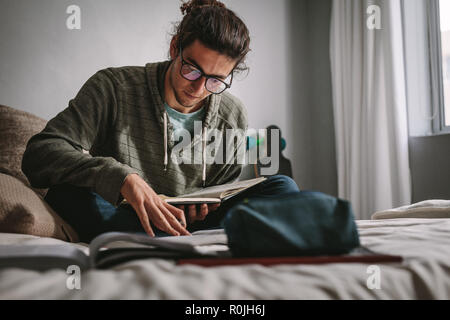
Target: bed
(26, 219)
(424, 273)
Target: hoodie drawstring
(204, 156)
(166, 157)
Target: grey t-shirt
(184, 121)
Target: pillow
(16, 129)
(24, 211)
(426, 209)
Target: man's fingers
(143, 217)
(192, 213)
(182, 208)
(200, 214)
(173, 221)
(160, 221)
(213, 207)
(203, 212)
(177, 212)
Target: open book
(112, 248)
(214, 194)
(204, 248)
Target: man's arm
(55, 155)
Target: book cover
(214, 194)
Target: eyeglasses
(212, 84)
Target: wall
(43, 64)
(311, 95)
(430, 167)
(324, 173)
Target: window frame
(436, 67)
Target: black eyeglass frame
(202, 74)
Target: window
(439, 31)
(416, 25)
(444, 14)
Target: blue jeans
(90, 215)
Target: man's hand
(150, 207)
(200, 213)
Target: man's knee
(288, 184)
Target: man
(126, 117)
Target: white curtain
(370, 112)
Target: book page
(224, 190)
(188, 201)
(142, 240)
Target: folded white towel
(425, 209)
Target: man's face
(190, 93)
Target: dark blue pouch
(304, 223)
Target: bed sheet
(424, 273)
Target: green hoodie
(120, 118)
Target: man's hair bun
(216, 27)
(187, 7)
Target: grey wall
(324, 174)
(310, 86)
(430, 167)
(43, 64)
